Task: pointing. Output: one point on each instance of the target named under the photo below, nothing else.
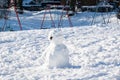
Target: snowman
(57, 53)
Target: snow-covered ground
(96, 48)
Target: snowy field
(95, 48)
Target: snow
(95, 48)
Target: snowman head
(55, 36)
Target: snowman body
(59, 58)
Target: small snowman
(57, 53)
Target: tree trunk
(19, 6)
(72, 5)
